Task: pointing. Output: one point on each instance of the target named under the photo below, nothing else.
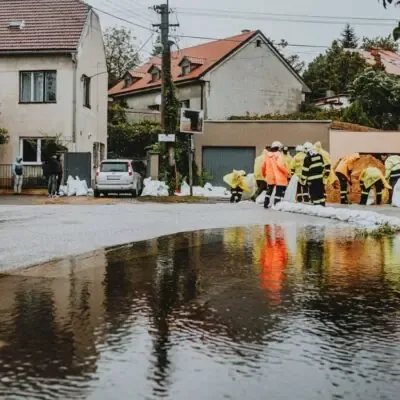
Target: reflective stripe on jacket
(369, 176)
(274, 169)
(313, 168)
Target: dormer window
(128, 80)
(185, 69)
(155, 73)
(188, 64)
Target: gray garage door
(219, 161)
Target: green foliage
(127, 140)
(4, 136)
(386, 2)
(121, 53)
(380, 42)
(396, 33)
(116, 113)
(335, 70)
(349, 39)
(319, 115)
(378, 93)
(52, 146)
(356, 115)
(202, 178)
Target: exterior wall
(344, 142)
(254, 80)
(260, 134)
(142, 101)
(326, 106)
(91, 123)
(33, 120)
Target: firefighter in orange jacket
(275, 173)
(343, 172)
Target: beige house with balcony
(53, 78)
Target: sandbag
(396, 195)
(371, 197)
(154, 188)
(81, 187)
(251, 184)
(71, 186)
(291, 190)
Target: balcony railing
(33, 177)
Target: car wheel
(96, 194)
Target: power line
(347, 18)
(144, 16)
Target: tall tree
(349, 40)
(380, 42)
(378, 93)
(396, 31)
(386, 2)
(335, 70)
(121, 53)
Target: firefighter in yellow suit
(287, 157)
(258, 176)
(237, 183)
(370, 177)
(296, 168)
(330, 176)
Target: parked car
(117, 176)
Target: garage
(219, 161)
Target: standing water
(277, 312)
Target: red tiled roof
(49, 24)
(208, 53)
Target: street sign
(162, 137)
(192, 121)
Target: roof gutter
(35, 52)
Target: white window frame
(33, 86)
(38, 150)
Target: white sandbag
(396, 195)
(154, 188)
(63, 190)
(371, 197)
(71, 186)
(90, 192)
(251, 184)
(291, 190)
(81, 187)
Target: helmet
(276, 144)
(285, 148)
(299, 148)
(308, 146)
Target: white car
(117, 176)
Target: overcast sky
(321, 33)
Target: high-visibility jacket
(296, 166)
(369, 176)
(288, 160)
(313, 168)
(392, 167)
(330, 178)
(346, 165)
(236, 179)
(274, 169)
(258, 163)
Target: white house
(233, 76)
(53, 78)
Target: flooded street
(277, 312)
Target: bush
(4, 136)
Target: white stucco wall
(91, 123)
(33, 120)
(253, 80)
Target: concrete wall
(260, 133)
(91, 123)
(253, 80)
(344, 142)
(33, 120)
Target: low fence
(33, 177)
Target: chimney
(16, 25)
(246, 30)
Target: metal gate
(219, 161)
(80, 165)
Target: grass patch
(175, 199)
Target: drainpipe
(74, 73)
(202, 84)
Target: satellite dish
(157, 100)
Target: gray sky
(294, 32)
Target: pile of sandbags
(75, 187)
(333, 191)
(155, 188)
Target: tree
(378, 93)
(293, 60)
(386, 2)
(396, 31)
(356, 115)
(349, 39)
(335, 70)
(4, 136)
(380, 42)
(121, 53)
(157, 48)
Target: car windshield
(114, 167)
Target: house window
(38, 87)
(185, 104)
(30, 149)
(258, 43)
(86, 91)
(154, 107)
(128, 81)
(185, 69)
(155, 76)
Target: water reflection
(287, 311)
